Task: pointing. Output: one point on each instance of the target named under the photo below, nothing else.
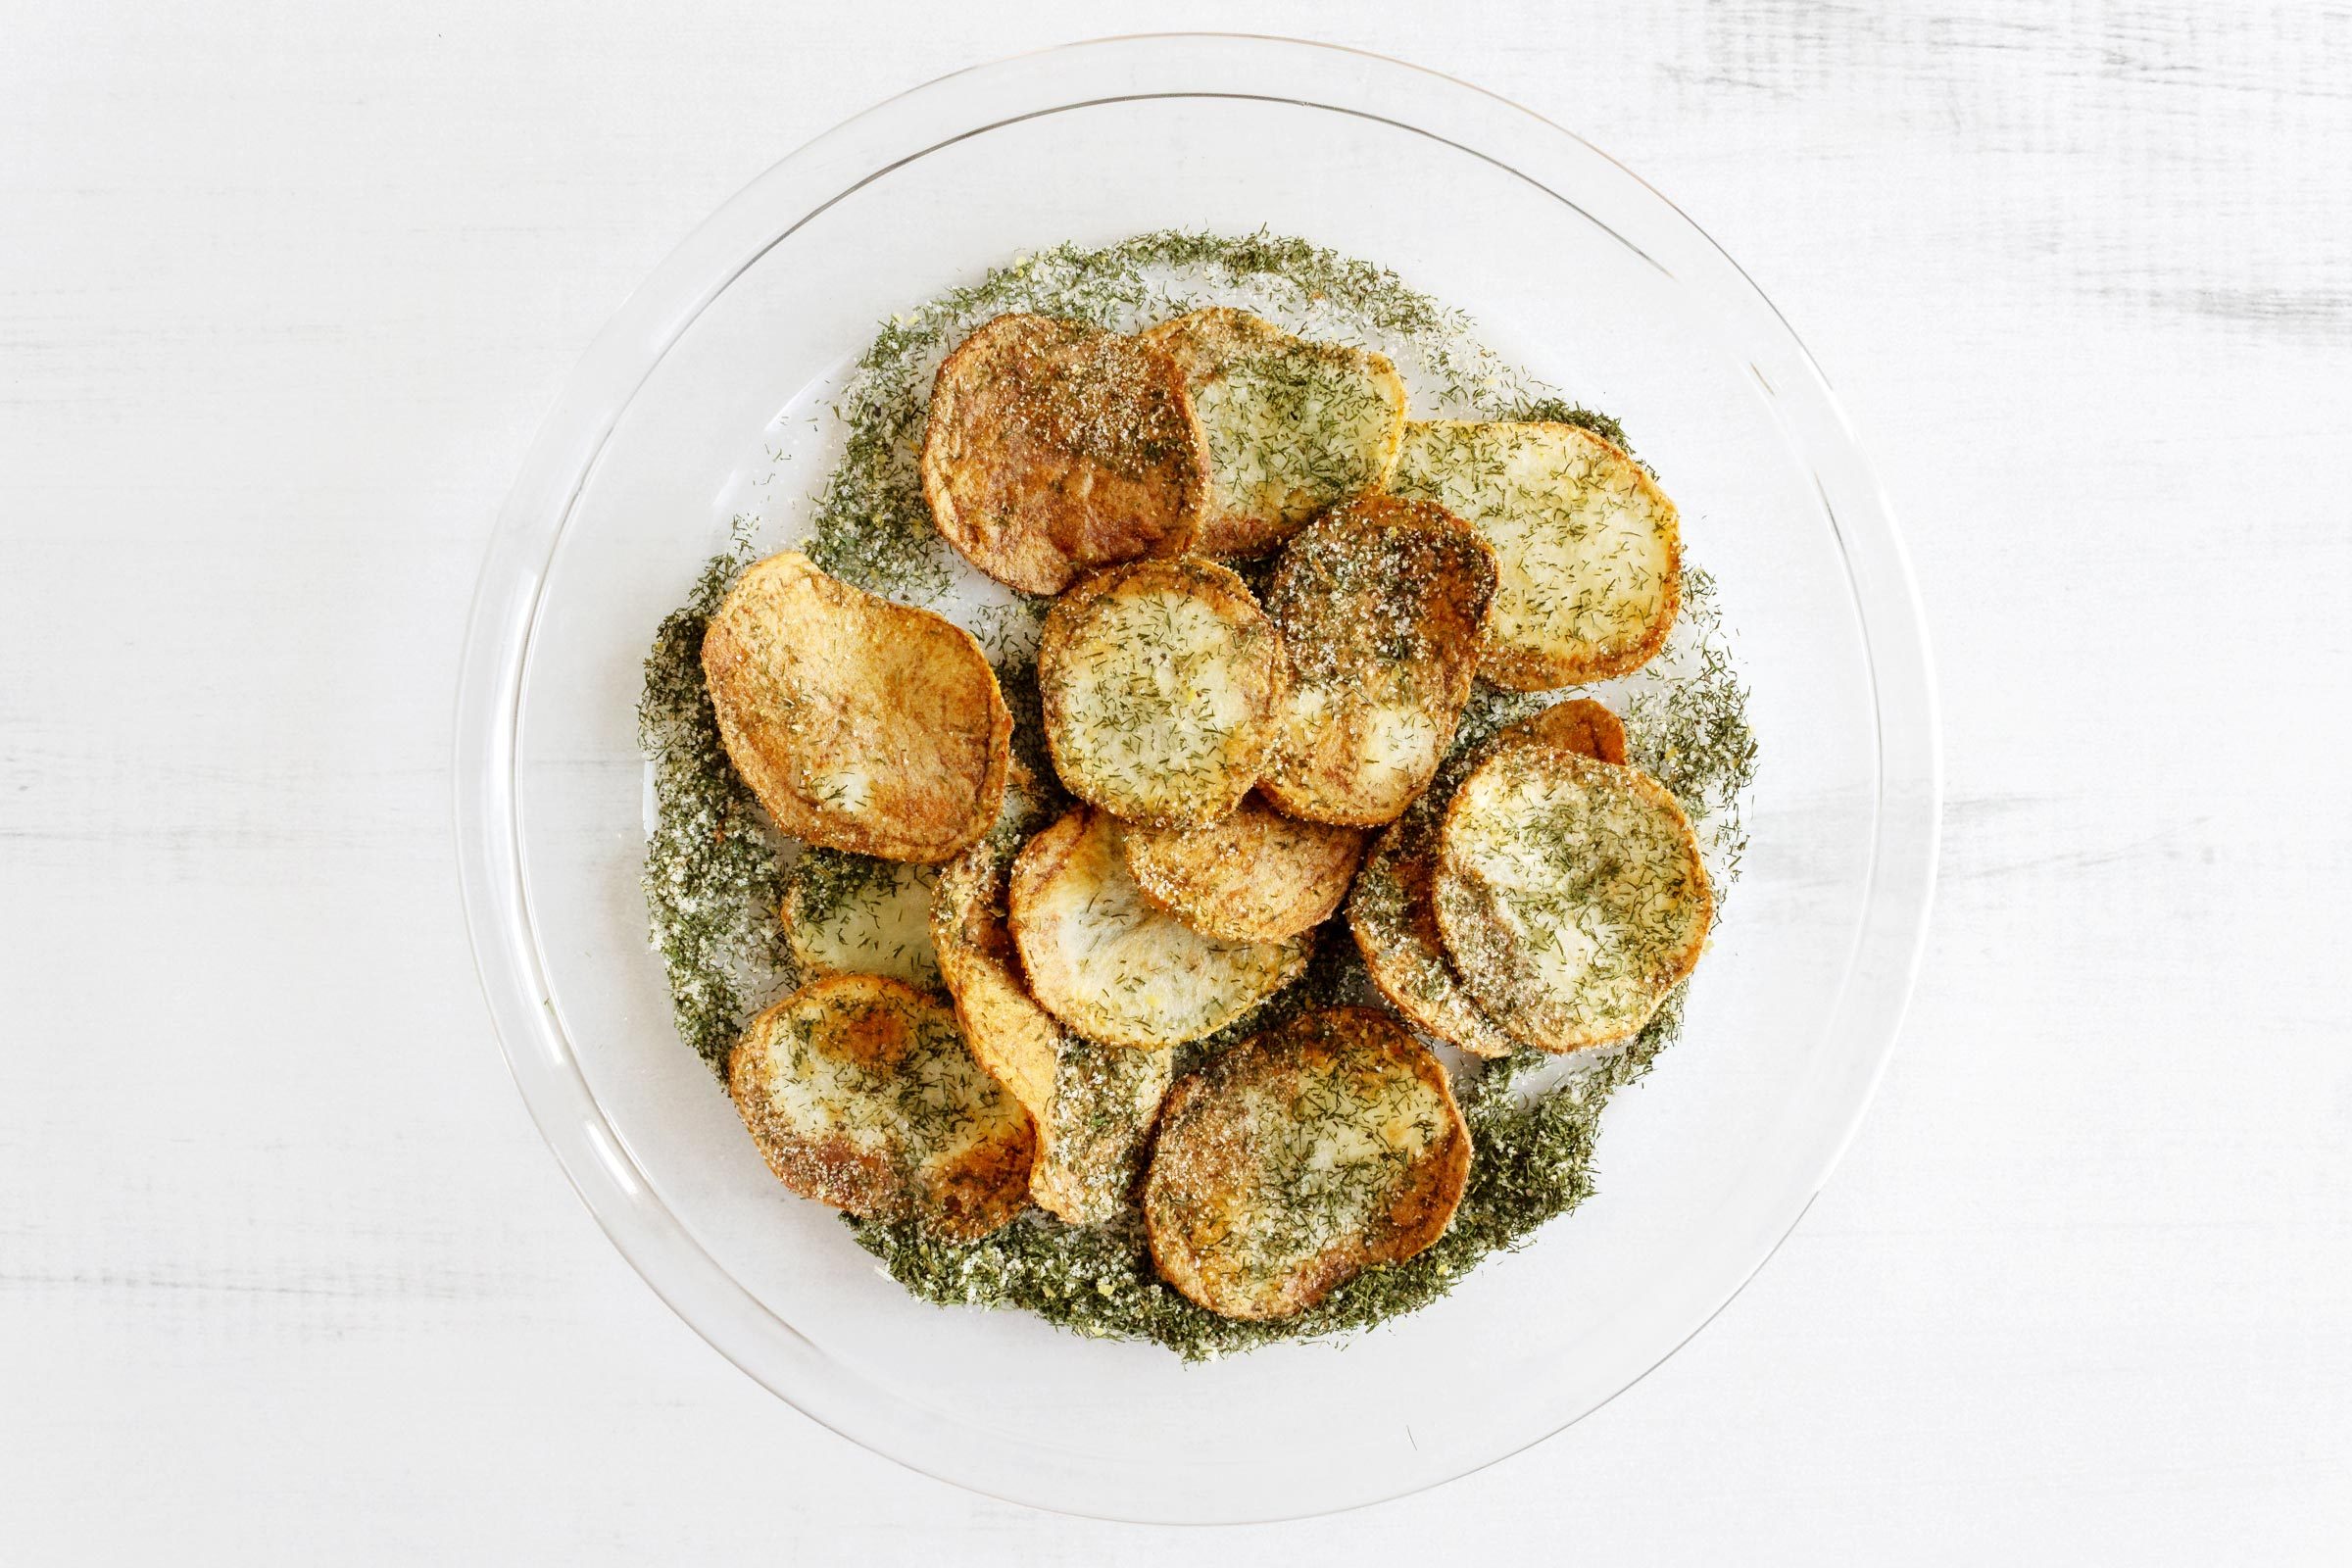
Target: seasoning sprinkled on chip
(860, 1093)
(1288, 1165)
(1589, 548)
(1380, 604)
(1159, 682)
(1053, 448)
(1292, 426)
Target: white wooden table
(285, 1275)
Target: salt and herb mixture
(713, 879)
(715, 872)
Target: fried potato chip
(1094, 1132)
(1569, 894)
(1292, 426)
(1160, 681)
(1589, 549)
(1380, 602)
(1256, 876)
(1111, 964)
(1051, 448)
(860, 1093)
(1581, 724)
(849, 913)
(1389, 910)
(1394, 928)
(1016, 1039)
(1287, 1167)
(1092, 1105)
(861, 725)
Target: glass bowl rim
(907, 126)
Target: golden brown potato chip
(1051, 448)
(1583, 726)
(861, 725)
(1292, 426)
(1092, 1105)
(1114, 967)
(1256, 876)
(1016, 1039)
(1160, 681)
(860, 1093)
(847, 913)
(1397, 931)
(1570, 895)
(1380, 602)
(1589, 548)
(1096, 1129)
(1287, 1167)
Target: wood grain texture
(284, 1272)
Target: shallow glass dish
(1571, 266)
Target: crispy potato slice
(1159, 682)
(1094, 1131)
(1292, 426)
(849, 913)
(1092, 1105)
(862, 1094)
(1288, 1165)
(1581, 724)
(1590, 548)
(1394, 928)
(1390, 913)
(1114, 967)
(1014, 1038)
(1380, 602)
(861, 725)
(1256, 876)
(1569, 894)
(1051, 448)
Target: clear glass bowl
(1577, 269)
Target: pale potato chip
(1158, 682)
(1389, 910)
(849, 913)
(1114, 967)
(1589, 548)
(1292, 426)
(1092, 1105)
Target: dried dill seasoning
(1686, 726)
(1559, 411)
(711, 875)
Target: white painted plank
(283, 1270)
